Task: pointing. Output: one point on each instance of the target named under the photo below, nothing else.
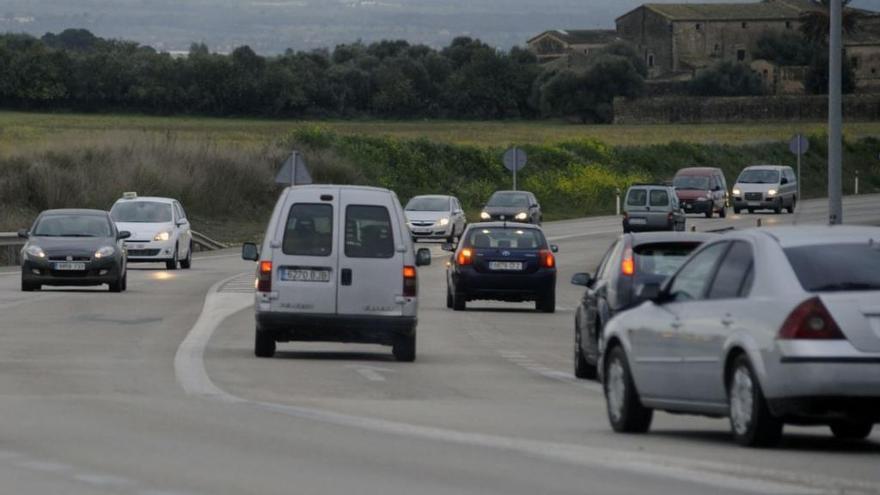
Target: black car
(512, 206)
(632, 261)
(502, 261)
(73, 248)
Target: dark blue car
(502, 261)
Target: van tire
(459, 302)
(722, 212)
(736, 210)
(264, 344)
(778, 208)
(710, 212)
(792, 205)
(404, 348)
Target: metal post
(799, 151)
(617, 201)
(835, 136)
(856, 188)
(515, 165)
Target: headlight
(35, 252)
(485, 216)
(162, 236)
(771, 192)
(521, 215)
(736, 192)
(443, 222)
(104, 252)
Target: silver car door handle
(676, 325)
(727, 321)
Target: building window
(699, 26)
(740, 55)
(745, 25)
(854, 62)
(787, 24)
(671, 28)
(651, 60)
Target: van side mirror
(582, 279)
(448, 246)
(23, 233)
(123, 235)
(423, 257)
(554, 248)
(250, 252)
(783, 181)
(650, 292)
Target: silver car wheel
(616, 389)
(741, 401)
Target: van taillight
(810, 321)
(465, 257)
(410, 281)
(628, 264)
(264, 277)
(547, 259)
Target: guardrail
(10, 246)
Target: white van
(337, 265)
(765, 187)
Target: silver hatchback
(764, 326)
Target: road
(156, 391)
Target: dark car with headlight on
(73, 248)
(512, 206)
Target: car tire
(752, 423)
(125, 281)
(116, 286)
(547, 302)
(459, 303)
(710, 212)
(736, 210)
(751, 211)
(29, 286)
(404, 348)
(625, 410)
(626, 230)
(777, 209)
(792, 206)
(722, 213)
(582, 368)
(172, 263)
(449, 301)
(851, 430)
(186, 263)
(264, 344)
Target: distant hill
(271, 26)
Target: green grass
(26, 129)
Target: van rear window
(309, 230)
(659, 197)
(636, 197)
(368, 232)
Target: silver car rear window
(836, 267)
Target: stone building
(555, 44)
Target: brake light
(628, 264)
(810, 321)
(465, 257)
(264, 277)
(547, 259)
(410, 281)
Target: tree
(726, 79)
(784, 49)
(816, 80)
(816, 23)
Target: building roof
(581, 36)
(774, 10)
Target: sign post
(294, 171)
(514, 160)
(799, 145)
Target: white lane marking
(102, 480)
(193, 378)
(584, 234)
(46, 466)
(371, 373)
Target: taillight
(628, 264)
(465, 257)
(669, 216)
(264, 277)
(547, 259)
(812, 321)
(410, 281)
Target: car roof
(641, 238)
(74, 211)
(154, 199)
(511, 225)
(810, 235)
(765, 167)
(698, 171)
(655, 186)
(510, 192)
(437, 196)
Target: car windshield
(759, 176)
(428, 204)
(836, 267)
(691, 182)
(141, 212)
(72, 225)
(505, 238)
(661, 259)
(505, 200)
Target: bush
(726, 79)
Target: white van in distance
(337, 265)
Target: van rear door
(372, 255)
(305, 253)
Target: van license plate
(67, 266)
(637, 221)
(305, 275)
(505, 265)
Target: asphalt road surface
(156, 391)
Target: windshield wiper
(845, 286)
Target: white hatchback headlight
(521, 215)
(35, 252)
(736, 192)
(443, 222)
(104, 252)
(162, 236)
(485, 216)
(771, 192)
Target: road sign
(799, 145)
(514, 160)
(294, 171)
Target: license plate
(637, 221)
(506, 265)
(754, 203)
(305, 275)
(70, 266)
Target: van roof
(698, 171)
(155, 199)
(336, 187)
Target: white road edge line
(189, 367)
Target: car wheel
(710, 212)
(449, 301)
(264, 344)
(736, 210)
(547, 302)
(116, 286)
(723, 212)
(751, 422)
(186, 263)
(792, 205)
(751, 211)
(459, 302)
(125, 281)
(778, 208)
(29, 286)
(172, 263)
(404, 348)
(582, 368)
(848, 430)
(626, 230)
(625, 410)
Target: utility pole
(835, 117)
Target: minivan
(651, 207)
(702, 190)
(337, 265)
(765, 187)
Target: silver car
(764, 326)
(435, 217)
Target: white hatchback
(160, 231)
